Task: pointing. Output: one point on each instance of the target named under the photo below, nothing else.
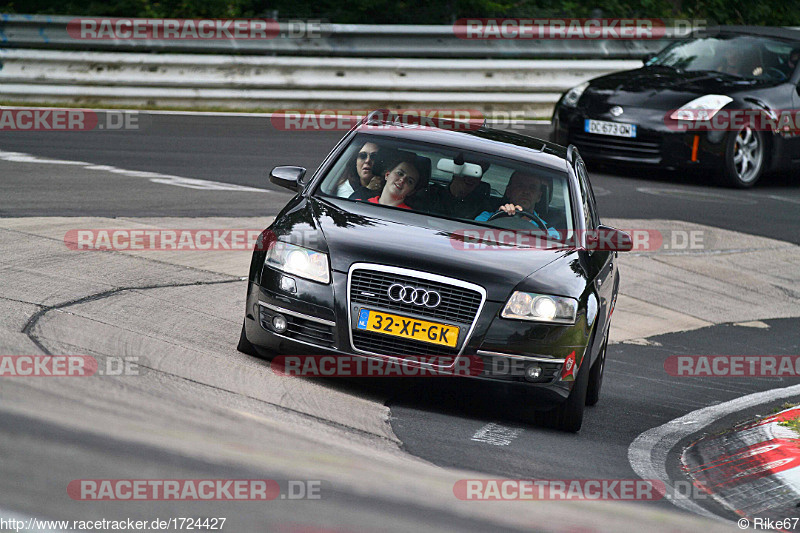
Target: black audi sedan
(438, 266)
(725, 102)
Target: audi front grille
(458, 304)
(370, 288)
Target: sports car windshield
(452, 184)
(742, 56)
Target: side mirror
(646, 59)
(287, 177)
(608, 239)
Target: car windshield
(448, 183)
(741, 56)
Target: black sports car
(412, 270)
(725, 101)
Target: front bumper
(655, 142)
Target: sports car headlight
(703, 108)
(573, 95)
(541, 308)
(299, 261)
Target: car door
(601, 260)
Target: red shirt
(374, 200)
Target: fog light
(279, 323)
(532, 372)
(288, 284)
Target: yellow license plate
(408, 328)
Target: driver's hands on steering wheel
(510, 209)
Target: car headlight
(573, 95)
(299, 261)
(541, 308)
(703, 108)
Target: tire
(745, 158)
(569, 415)
(244, 345)
(596, 376)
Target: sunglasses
(364, 155)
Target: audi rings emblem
(413, 295)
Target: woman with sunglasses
(359, 173)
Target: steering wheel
(776, 73)
(535, 219)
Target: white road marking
(753, 324)
(600, 191)
(496, 434)
(154, 177)
(19, 157)
(776, 197)
(647, 454)
(699, 196)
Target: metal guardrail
(339, 40)
(345, 66)
(267, 82)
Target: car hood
(357, 232)
(661, 88)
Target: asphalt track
(202, 410)
(241, 150)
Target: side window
(587, 196)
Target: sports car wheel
(745, 156)
(596, 376)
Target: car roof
(788, 34)
(481, 139)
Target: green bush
(761, 12)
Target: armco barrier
(268, 82)
(340, 40)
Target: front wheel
(244, 345)
(745, 157)
(569, 415)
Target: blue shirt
(551, 232)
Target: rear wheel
(745, 157)
(596, 376)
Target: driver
(738, 62)
(794, 58)
(523, 192)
